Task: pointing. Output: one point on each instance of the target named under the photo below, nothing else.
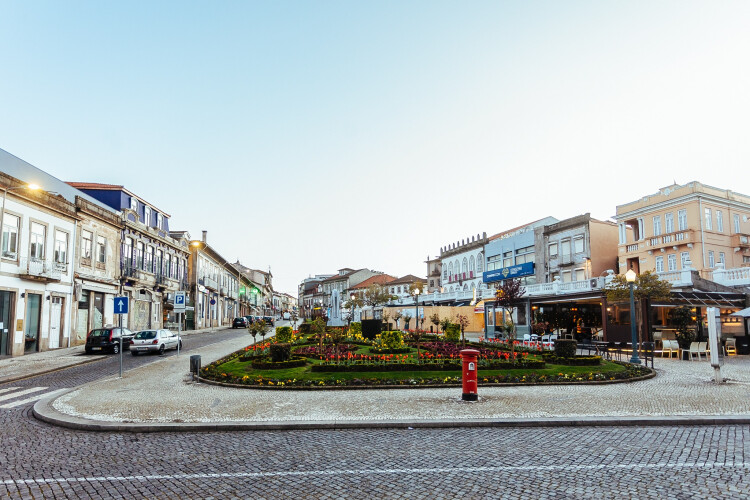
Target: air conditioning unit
(594, 282)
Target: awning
(708, 299)
(745, 313)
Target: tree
(682, 319)
(397, 316)
(375, 295)
(507, 295)
(435, 320)
(350, 306)
(648, 287)
(386, 316)
(463, 322)
(445, 323)
(407, 318)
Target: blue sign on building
(505, 273)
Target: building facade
(462, 264)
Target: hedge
(379, 367)
(267, 364)
(371, 328)
(402, 350)
(284, 334)
(565, 348)
(573, 361)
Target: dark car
(240, 322)
(107, 340)
(268, 320)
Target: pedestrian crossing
(9, 395)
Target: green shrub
(453, 333)
(284, 334)
(573, 361)
(266, 364)
(304, 328)
(565, 348)
(392, 339)
(355, 329)
(402, 350)
(281, 352)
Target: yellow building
(693, 226)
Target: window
(38, 235)
(87, 238)
(684, 259)
(719, 221)
(168, 267)
(147, 216)
(101, 249)
(580, 274)
(150, 259)
(660, 264)
(10, 235)
(524, 255)
(432, 283)
(176, 275)
(657, 225)
(159, 263)
(682, 220)
(707, 217)
(641, 232)
(553, 250)
(393, 290)
(746, 259)
(472, 266)
(139, 255)
(578, 244)
(445, 275)
(398, 290)
(623, 233)
(159, 221)
(480, 263)
(450, 269)
(133, 204)
(507, 259)
(721, 259)
(465, 266)
(672, 262)
(669, 222)
(128, 252)
(736, 223)
(711, 261)
(565, 250)
(61, 247)
(566, 276)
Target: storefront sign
(526, 269)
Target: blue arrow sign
(121, 305)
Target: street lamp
(630, 277)
(32, 187)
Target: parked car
(154, 341)
(249, 320)
(240, 322)
(107, 340)
(286, 316)
(268, 320)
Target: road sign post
(179, 309)
(121, 307)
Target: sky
(309, 136)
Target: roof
(336, 277)
(509, 231)
(26, 172)
(95, 186)
(378, 279)
(409, 278)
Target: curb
(51, 370)
(44, 411)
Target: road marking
(33, 398)
(21, 393)
(9, 389)
(442, 470)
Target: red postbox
(469, 374)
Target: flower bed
(313, 351)
(266, 364)
(573, 361)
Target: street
(42, 461)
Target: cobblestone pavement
(682, 388)
(40, 461)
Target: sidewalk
(38, 363)
(681, 393)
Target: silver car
(154, 341)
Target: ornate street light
(630, 277)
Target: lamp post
(630, 277)
(32, 187)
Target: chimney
(204, 236)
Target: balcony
(739, 276)
(661, 241)
(209, 283)
(132, 273)
(223, 291)
(740, 241)
(40, 270)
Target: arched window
(450, 268)
(473, 286)
(480, 263)
(445, 273)
(472, 267)
(457, 267)
(465, 267)
(450, 289)
(466, 287)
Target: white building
(463, 264)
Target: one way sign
(121, 305)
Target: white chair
(703, 349)
(730, 348)
(526, 339)
(694, 349)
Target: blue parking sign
(179, 302)
(121, 305)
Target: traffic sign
(121, 305)
(179, 302)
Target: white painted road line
(9, 389)
(33, 398)
(21, 393)
(366, 472)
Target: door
(6, 299)
(141, 315)
(33, 315)
(55, 321)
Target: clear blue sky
(310, 136)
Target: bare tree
(376, 295)
(508, 295)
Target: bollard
(469, 374)
(195, 365)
